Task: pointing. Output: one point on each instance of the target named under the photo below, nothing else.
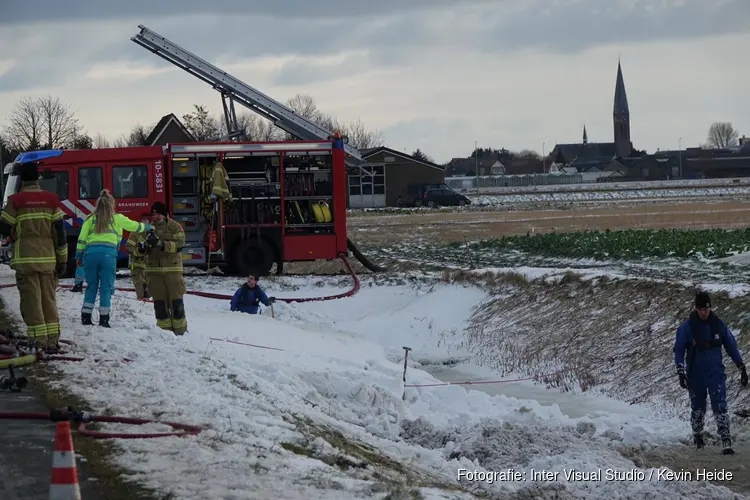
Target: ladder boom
(270, 109)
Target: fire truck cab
(288, 197)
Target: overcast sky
(430, 74)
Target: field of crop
(659, 240)
(626, 244)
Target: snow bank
(634, 194)
(278, 422)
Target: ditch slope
(616, 337)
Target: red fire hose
(222, 296)
(82, 418)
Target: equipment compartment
(189, 222)
(186, 205)
(184, 167)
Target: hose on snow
(82, 418)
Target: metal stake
(406, 356)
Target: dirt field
(381, 230)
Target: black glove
(153, 241)
(62, 267)
(743, 376)
(683, 377)
(271, 300)
(142, 247)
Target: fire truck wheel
(253, 256)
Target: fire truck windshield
(11, 184)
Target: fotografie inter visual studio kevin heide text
(595, 475)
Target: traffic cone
(64, 483)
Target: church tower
(585, 135)
(621, 117)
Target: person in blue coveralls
(97, 250)
(249, 296)
(702, 337)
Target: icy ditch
(325, 417)
(561, 196)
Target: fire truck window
(130, 182)
(57, 182)
(89, 183)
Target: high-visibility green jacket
(109, 241)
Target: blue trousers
(100, 277)
(81, 274)
(713, 386)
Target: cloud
(506, 72)
(31, 11)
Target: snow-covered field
(705, 194)
(610, 186)
(323, 417)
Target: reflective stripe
(163, 270)
(36, 331)
(8, 218)
(35, 215)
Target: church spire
(621, 97)
(585, 135)
(621, 117)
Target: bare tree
(59, 123)
(304, 105)
(254, 127)
(722, 135)
(137, 137)
(528, 154)
(201, 124)
(101, 142)
(24, 131)
(360, 136)
(41, 122)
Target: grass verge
(110, 481)
(398, 479)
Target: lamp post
(476, 166)
(679, 148)
(544, 161)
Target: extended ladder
(233, 90)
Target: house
(644, 168)
(169, 130)
(385, 174)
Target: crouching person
(249, 296)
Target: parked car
(431, 197)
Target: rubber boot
(104, 320)
(86, 319)
(78, 287)
(145, 293)
(726, 447)
(698, 440)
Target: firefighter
(100, 239)
(164, 270)
(40, 255)
(136, 246)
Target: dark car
(443, 197)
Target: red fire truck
(289, 198)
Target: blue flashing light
(338, 143)
(38, 155)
